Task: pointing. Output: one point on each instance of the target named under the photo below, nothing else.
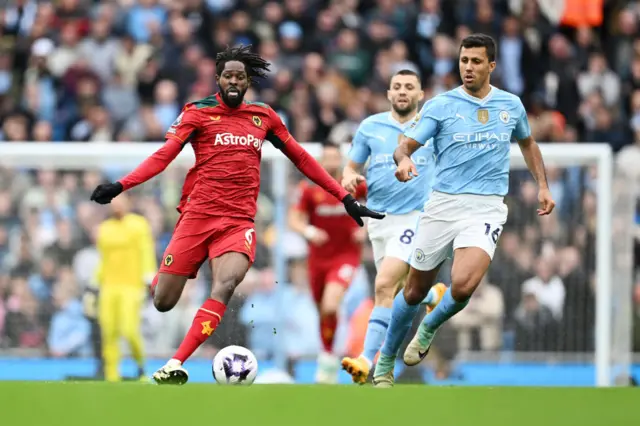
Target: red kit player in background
(335, 244)
(218, 203)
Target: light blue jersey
(376, 140)
(471, 139)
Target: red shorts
(197, 238)
(339, 272)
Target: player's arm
(178, 135)
(299, 218)
(424, 128)
(280, 137)
(352, 175)
(358, 155)
(535, 164)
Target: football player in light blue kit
(375, 141)
(472, 127)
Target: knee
(384, 291)
(413, 294)
(462, 286)
(163, 303)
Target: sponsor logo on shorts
(419, 255)
(168, 260)
(231, 139)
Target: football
(235, 365)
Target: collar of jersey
(399, 124)
(477, 100)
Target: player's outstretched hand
(104, 193)
(351, 182)
(406, 170)
(357, 211)
(546, 202)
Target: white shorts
(457, 221)
(393, 236)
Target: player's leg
(388, 281)
(108, 317)
(328, 363)
(337, 281)
(469, 266)
(167, 290)
(432, 244)
(130, 317)
(228, 271)
(474, 248)
(184, 255)
(232, 250)
(182, 258)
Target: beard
(403, 111)
(233, 101)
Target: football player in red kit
(334, 254)
(218, 203)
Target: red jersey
(227, 143)
(328, 214)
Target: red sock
(207, 319)
(328, 325)
(154, 283)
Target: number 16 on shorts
(492, 232)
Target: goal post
(613, 302)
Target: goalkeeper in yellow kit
(127, 265)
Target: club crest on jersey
(257, 121)
(483, 116)
(504, 117)
(168, 260)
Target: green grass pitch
(97, 404)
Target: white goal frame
(80, 156)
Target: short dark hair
(407, 72)
(481, 40)
(254, 64)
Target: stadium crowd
(120, 70)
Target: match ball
(235, 365)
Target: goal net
(555, 307)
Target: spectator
(547, 287)
(69, 331)
(536, 327)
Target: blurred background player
(391, 238)
(218, 203)
(127, 266)
(334, 254)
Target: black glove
(103, 194)
(357, 211)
